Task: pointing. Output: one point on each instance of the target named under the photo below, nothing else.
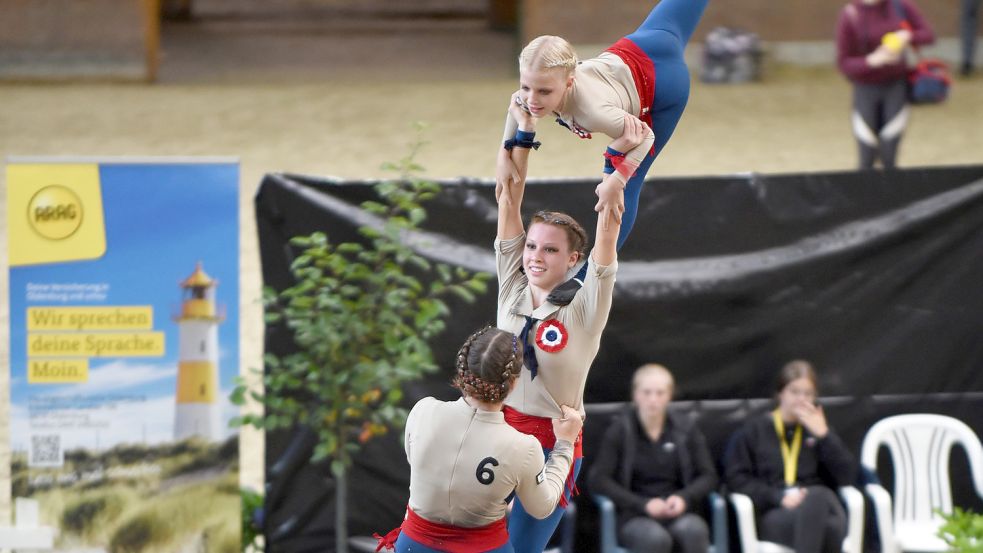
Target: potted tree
(360, 314)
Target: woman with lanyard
(643, 75)
(788, 462)
(560, 343)
(465, 462)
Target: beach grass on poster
(151, 499)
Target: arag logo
(55, 212)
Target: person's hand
(520, 112)
(568, 427)
(656, 508)
(610, 200)
(633, 135)
(904, 35)
(505, 174)
(882, 56)
(793, 497)
(675, 506)
(812, 418)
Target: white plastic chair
(747, 530)
(919, 445)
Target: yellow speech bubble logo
(55, 212)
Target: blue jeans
(529, 534)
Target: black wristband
(522, 139)
(513, 143)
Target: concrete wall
(65, 39)
(603, 21)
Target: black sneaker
(966, 69)
(564, 293)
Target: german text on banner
(124, 336)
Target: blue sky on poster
(161, 219)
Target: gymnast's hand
(520, 112)
(610, 200)
(568, 427)
(632, 136)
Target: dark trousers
(688, 532)
(817, 525)
(967, 30)
(880, 115)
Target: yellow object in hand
(892, 41)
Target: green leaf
(238, 395)
(374, 207)
(462, 292)
(338, 469)
(444, 272)
(417, 215)
(350, 247)
(301, 241)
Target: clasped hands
(670, 507)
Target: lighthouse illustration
(197, 408)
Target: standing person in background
(871, 37)
(787, 462)
(969, 17)
(656, 468)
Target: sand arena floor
(338, 97)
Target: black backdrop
(874, 276)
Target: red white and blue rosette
(551, 336)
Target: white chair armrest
(883, 513)
(746, 530)
(854, 500)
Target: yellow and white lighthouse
(197, 411)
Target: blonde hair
(650, 369)
(548, 52)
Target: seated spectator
(656, 468)
(787, 461)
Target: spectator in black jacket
(656, 468)
(787, 461)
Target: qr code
(46, 451)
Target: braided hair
(548, 52)
(487, 364)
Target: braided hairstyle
(487, 364)
(548, 52)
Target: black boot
(564, 293)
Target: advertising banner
(124, 330)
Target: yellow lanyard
(790, 455)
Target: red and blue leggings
(663, 37)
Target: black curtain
(873, 276)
